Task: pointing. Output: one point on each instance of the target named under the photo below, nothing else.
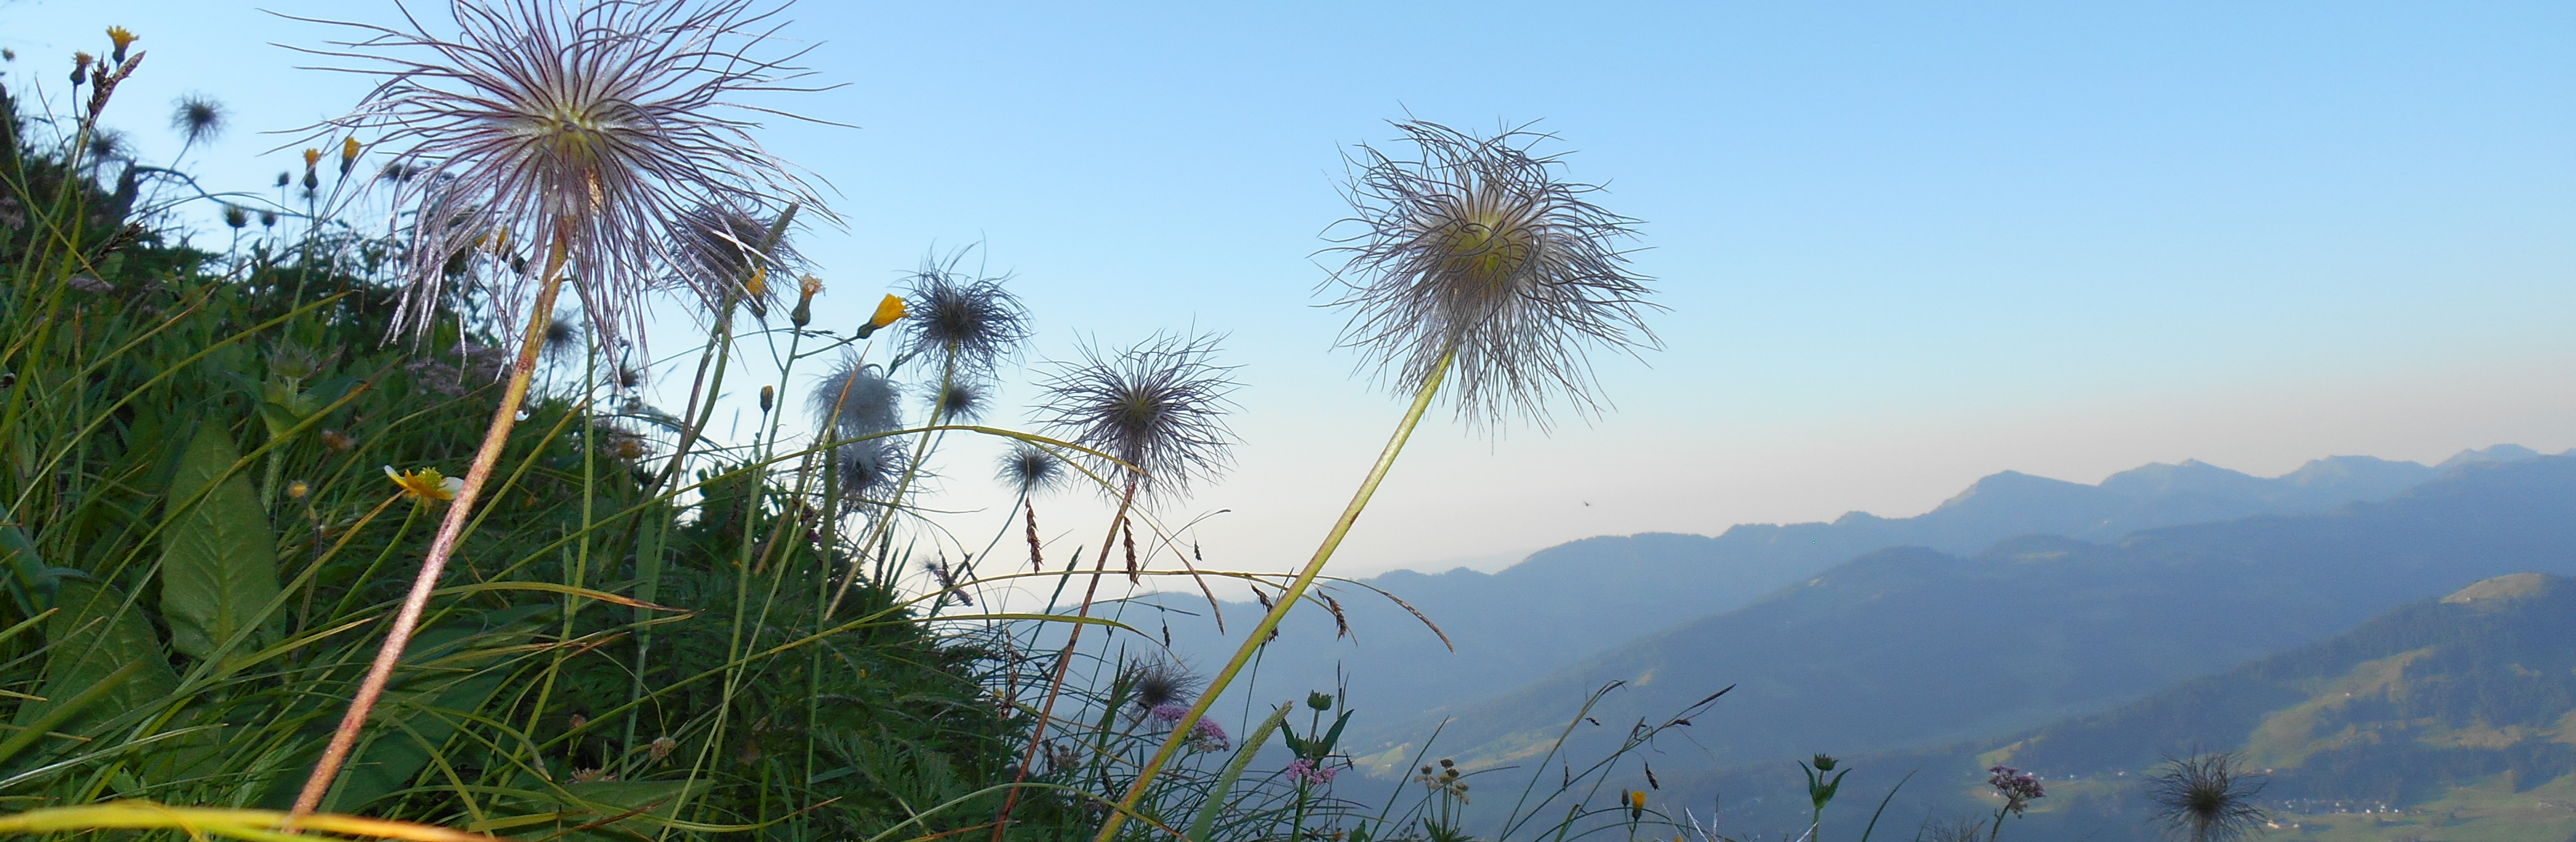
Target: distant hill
(1580, 599)
(1912, 646)
(2452, 718)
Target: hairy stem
(450, 530)
(1260, 633)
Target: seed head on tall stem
(1159, 407)
(582, 130)
(961, 324)
(1470, 251)
(1473, 262)
(616, 120)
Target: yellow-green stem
(1260, 633)
(326, 770)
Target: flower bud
(297, 489)
(1319, 701)
(768, 397)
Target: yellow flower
(311, 156)
(121, 37)
(809, 286)
(759, 284)
(887, 312)
(297, 489)
(349, 149)
(426, 484)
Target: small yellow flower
(349, 149)
(121, 37)
(297, 489)
(426, 483)
(809, 286)
(759, 284)
(311, 157)
(887, 312)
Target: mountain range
(1913, 646)
(1579, 602)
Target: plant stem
(1260, 633)
(450, 531)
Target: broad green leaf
(218, 558)
(93, 636)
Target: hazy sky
(1904, 245)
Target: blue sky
(1904, 245)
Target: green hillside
(2449, 719)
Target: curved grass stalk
(326, 770)
(1260, 632)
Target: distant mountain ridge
(1912, 646)
(1582, 598)
(2453, 717)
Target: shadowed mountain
(1911, 646)
(2450, 718)
(1576, 600)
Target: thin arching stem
(1260, 633)
(450, 530)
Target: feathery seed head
(2206, 798)
(1473, 246)
(1159, 407)
(869, 467)
(727, 250)
(198, 118)
(855, 400)
(107, 145)
(1154, 684)
(960, 402)
(236, 215)
(968, 325)
(593, 126)
(1028, 469)
(563, 337)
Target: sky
(1902, 246)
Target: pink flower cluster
(1169, 712)
(2017, 787)
(1304, 771)
(1209, 736)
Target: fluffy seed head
(198, 118)
(869, 468)
(856, 400)
(725, 250)
(961, 402)
(2206, 798)
(1153, 684)
(1159, 407)
(601, 123)
(967, 325)
(1472, 245)
(1028, 469)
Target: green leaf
(219, 557)
(93, 636)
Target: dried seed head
(869, 468)
(961, 324)
(961, 402)
(1028, 469)
(1472, 246)
(1154, 684)
(198, 118)
(2206, 798)
(590, 125)
(1159, 407)
(236, 215)
(856, 400)
(727, 251)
